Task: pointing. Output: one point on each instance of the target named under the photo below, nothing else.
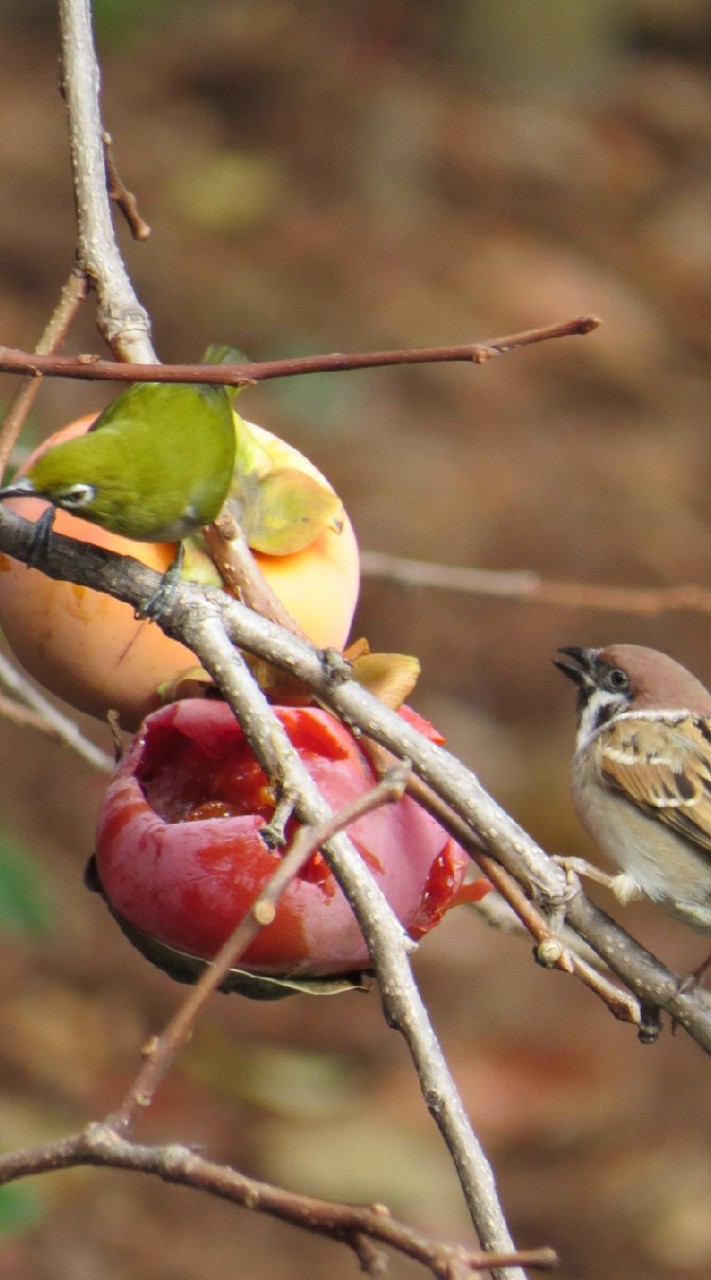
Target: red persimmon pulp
(180, 856)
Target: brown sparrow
(641, 774)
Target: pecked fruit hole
(180, 856)
(181, 783)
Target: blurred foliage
(229, 190)
(121, 22)
(22, 1207)
(25, 905)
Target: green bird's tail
(218, 353)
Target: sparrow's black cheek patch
(604, 712)
(684, 786)
(704, 728)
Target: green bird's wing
(174, 440)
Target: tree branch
(530, 588)
(70, 300)
(33, 708)
(124, 199)
(91, 368)
(99, 1145)
(122, 321)
(387, 943)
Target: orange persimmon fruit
(90, 650)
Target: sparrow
(641, 774)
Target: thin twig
(530, 588)
(49, 719)
(121, 319)
(162, 1050)
(99, 1145)
(70, 300)
(239, 375)
(551, 950)
(124, 199)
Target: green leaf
(21, 1208)
(25, 905)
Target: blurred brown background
(387, 173)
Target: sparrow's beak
(23, 488)
(581, 669)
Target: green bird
(156, 466)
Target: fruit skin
(89, 649)
(186, 878)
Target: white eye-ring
(77, 495)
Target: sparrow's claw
(580, 868)
(694, 979)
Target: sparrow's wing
(663, 768)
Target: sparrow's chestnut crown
(641, 678)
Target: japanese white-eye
(155, 466)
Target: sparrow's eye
(618, 680)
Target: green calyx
(283, 511)
(280, 510)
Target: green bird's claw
(41, 537)
(163, 594)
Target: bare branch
(203, 630)
(194, 617)
(124, 199)
(530, 588)
(99, 1145)
(70, 300)
(232, 556)
(388, 945)
(43, 715)
(239, 375)
(122, 321)
(551, 951)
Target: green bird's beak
(23, 488)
